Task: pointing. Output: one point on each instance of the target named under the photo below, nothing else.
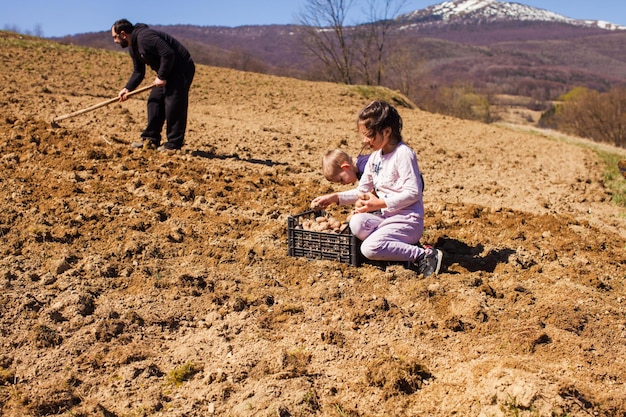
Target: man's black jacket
(164, 54)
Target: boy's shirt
(361, 162)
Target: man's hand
(159, 82)
(122, 94)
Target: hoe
(97, 106)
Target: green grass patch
(183, 373)
(613, 179)
(382, 93)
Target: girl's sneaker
(430, 262)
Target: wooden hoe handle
(98, 105)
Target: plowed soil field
(142, 283)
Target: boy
(338, 166)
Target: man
(174, 68)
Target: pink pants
(388, 238)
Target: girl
(389, 211)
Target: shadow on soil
(459, 253)
(469, 257)
(211, 155)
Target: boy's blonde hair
(332, 162)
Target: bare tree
(37, 31)
(350, 54)
(403, 70)
(323, 23)
(375, 34)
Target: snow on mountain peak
(494, 10)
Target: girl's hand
(324, 201)
(368, 202)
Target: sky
(55, 18)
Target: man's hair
(379, 115)
(332, 161)
(123, 25)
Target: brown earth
(138, 283)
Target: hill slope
(139, 283)
(496, 47)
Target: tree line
(592, 114)
(374, 53)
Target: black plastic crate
(342, 247)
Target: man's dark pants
(170, 104)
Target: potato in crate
(316, 235)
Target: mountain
(496, 47)
(470, 12)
